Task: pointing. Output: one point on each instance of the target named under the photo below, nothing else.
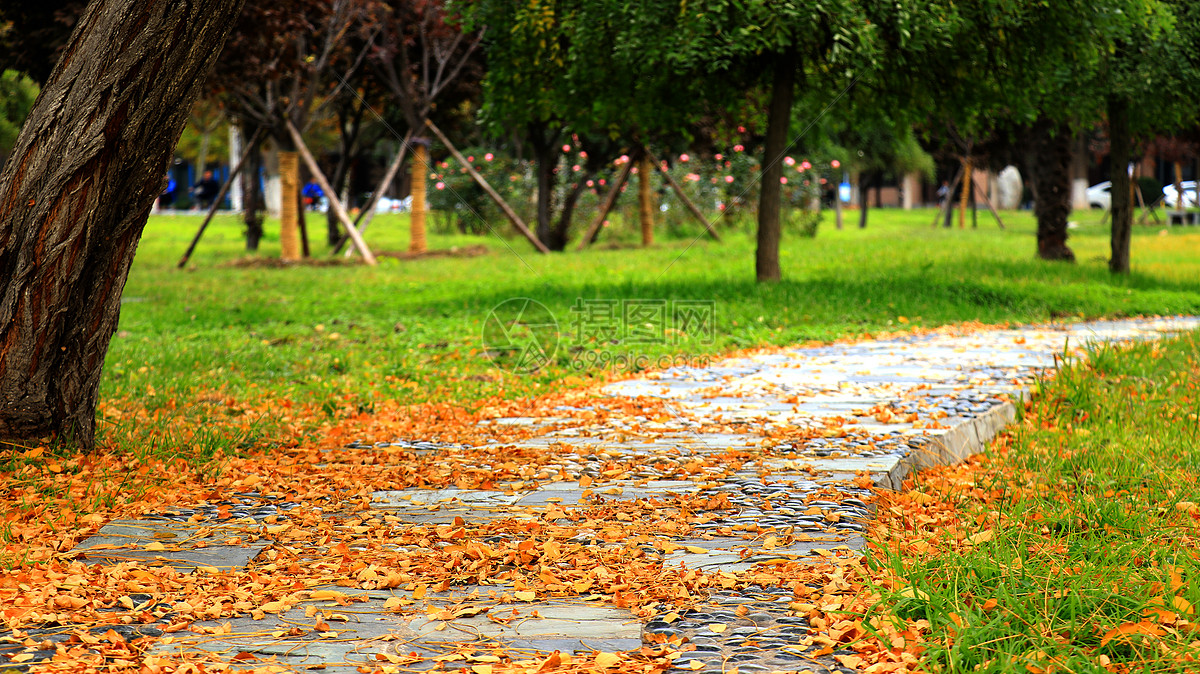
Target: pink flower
(575, 168)
(488, 157)
(603, 181)
(835, 163)
(805, 165)
(684, 157)
(634, 170)
(782, 180)
(591, 183)
(606, 221)
(692, 177)
(741, 129)
(440, 186)
(720, 207)
(623, 159)
(789, 161)
(714, 181)
(728, 179)
(823, 181)
(806, 182)
(738, 148)
(583, 154)
(718, 156)
(566, 148)
(470, 159)
(512, 179)
(728, 164)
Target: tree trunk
(420, 168)
(1052, 184)
(1122, 189)
(252, 195)
(864, 198)
(645, 203)
(74, 198)
(766, 258)
(560, 236)
(545, 158)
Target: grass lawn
(1072, 545)
(345, 336)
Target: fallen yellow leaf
(606, 660)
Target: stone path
(838, 420)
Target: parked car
(1100, 195)
(1170, 198)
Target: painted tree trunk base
(289, 218)
(420, 166)
(645, 201)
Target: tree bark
(75, 194)
(766, 257)
(1052, 186)
(1122, 189)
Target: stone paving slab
(181, 545)
(828, 414)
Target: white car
(1100, 195)
(1189, 194)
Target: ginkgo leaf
(1127, 629)
(525, 595)
(606, 660)
(718, 627)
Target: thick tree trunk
(766, 258)
(1052, 179)
(1122, 190)
(76, 192)
(645, 201)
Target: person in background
(205, 191)
(167, 198)
(312, 194)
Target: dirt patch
(453, 251)
(276, 263)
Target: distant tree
(75, 195)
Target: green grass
(343, 336)
(1093, 509)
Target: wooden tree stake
(334, 203)
(691, 206)
(508, 211)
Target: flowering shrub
(725, 184)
